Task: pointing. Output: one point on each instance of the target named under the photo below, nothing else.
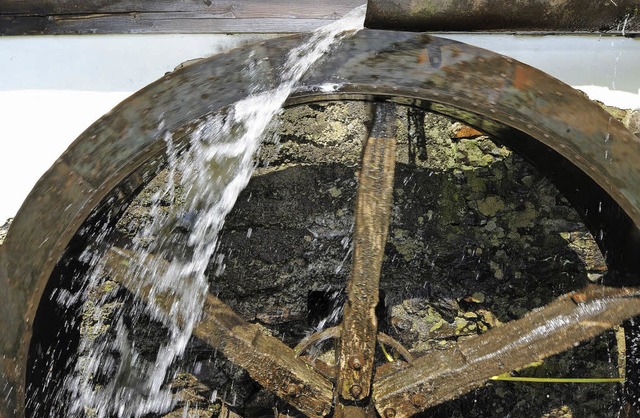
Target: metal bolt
(356, 391)
(355, 362)
(389, 413)
(418, 400)
(293, 390)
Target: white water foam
(214, 170)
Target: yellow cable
(559, 379)
(388, 356)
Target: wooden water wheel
(590, 157)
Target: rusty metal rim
(372, 64)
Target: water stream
(213, 171)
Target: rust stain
(579, 297)
(467, 132)
(423, 57)
(522, 78)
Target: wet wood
(31, 17)
(443, 375)
(372, 214)
(583, 16)
(269, 362)
(225, 412)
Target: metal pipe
(617, 17)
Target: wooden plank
(619, 16)
(441, 375)
(32, 17)
(227, 8)
(374, 202)
(158, 24)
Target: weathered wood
(224, 8)
(443, 375)
(617, 17)
(372, 214)
(267, 360)
(31, 17)
(160, 23)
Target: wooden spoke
(373, 212)
(443, 375)
(269, 362)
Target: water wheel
(589, 156)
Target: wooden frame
(64, 17)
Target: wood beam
(439, 376)
(373, 216)
(34, 17)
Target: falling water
(214, 170)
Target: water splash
(624, 25)
(215, 168)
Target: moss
(476, 182)
(472, 155)
(587, 249)
(335, 192)
(436, 326)
(522, 218)
(450, 204)
(619, 114)
(490, 205)
(406, 244)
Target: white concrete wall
(52, 88)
